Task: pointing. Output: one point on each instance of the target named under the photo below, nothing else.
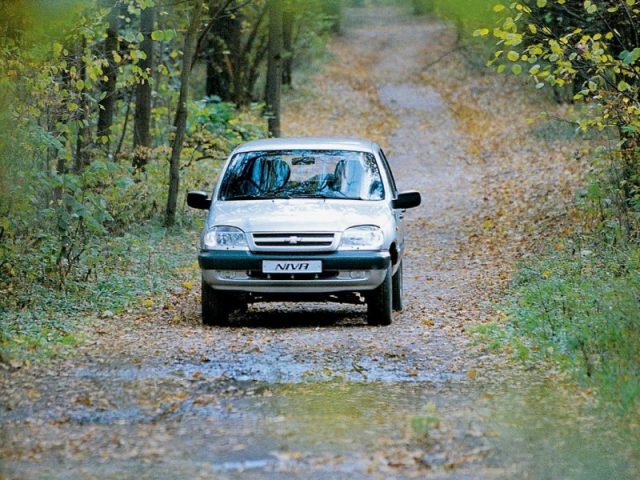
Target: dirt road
(310, 391)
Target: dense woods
(111, 109)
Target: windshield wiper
(246, 197)
(279, 193)
(314, 195)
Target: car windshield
(302, 174)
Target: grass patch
(577, 304)
(150, 261)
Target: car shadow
(281, 316)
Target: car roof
(309, 143)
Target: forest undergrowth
(573, 301)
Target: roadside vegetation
(110, 110)
(575, 300)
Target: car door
(398, 214)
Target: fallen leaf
(83, 400)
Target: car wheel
(240, 303)
(379, 303)
(396, 285)
(214, 309)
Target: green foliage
(75, 216)
(580, 304)
(592, 47)
(215, 128)
(314, 21)
(466, 15)
(422, 7)
(145, 262)
(57, 227)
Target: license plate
(291, 266)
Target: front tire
(379, 302)
(214, 309)
(397, 289)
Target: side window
(387, 169)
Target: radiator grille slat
(292, 241)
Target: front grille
(294, 241)
(258, 275)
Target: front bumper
(342, 271)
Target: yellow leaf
(472, 373)
(32, 393)
(187, 285)
(147, 302)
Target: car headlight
(224, 238)
(364, 237)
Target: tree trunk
(287, 44)
(223, 55)
(142, 116)
(253, 69)
(250, 66)
(274, 68)
(108, 101)
(180, 121)
(123, 133)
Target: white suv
(303, 219)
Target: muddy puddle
(336, 429)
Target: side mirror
(407, 200)
(199, 200)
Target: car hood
(299, 215)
